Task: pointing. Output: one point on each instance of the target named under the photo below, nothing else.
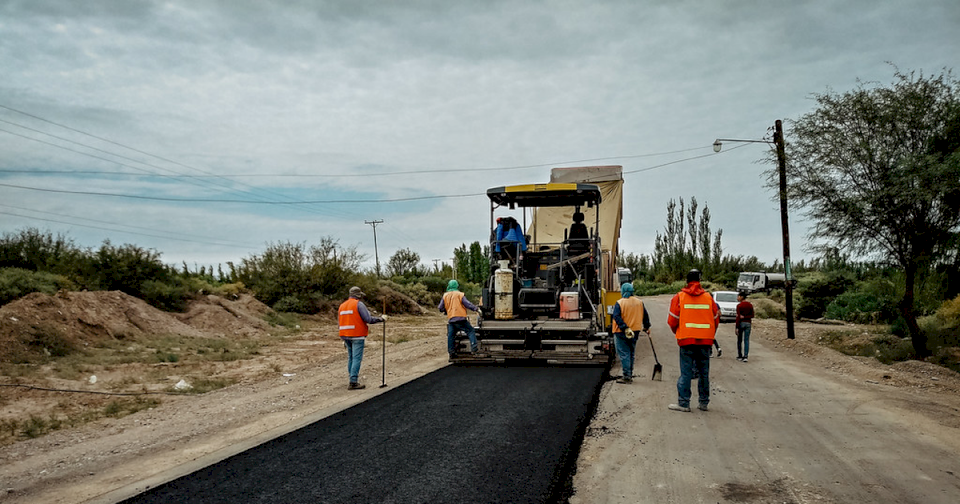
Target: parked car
(727, 301)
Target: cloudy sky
(208, 129)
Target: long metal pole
(782, 162)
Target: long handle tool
(383, 366)
(657, 368)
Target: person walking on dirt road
(742, 325)
(353, 318)
(630, 316)
(455, 305)
(694, 318)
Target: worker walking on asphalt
(630, 316)
(353, 318)
(455, 305)
(742, 325)
(694, 318)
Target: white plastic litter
(182, 385)
(93, 379)
(288, 375)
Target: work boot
(356, 386)
(625, 379)
(677, 407)
(702, 407)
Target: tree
(404, 262)
(878, 171)
(673, 256)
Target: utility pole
(784, 224)
(376, 254)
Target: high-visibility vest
(351, 323)
(698, 323)
(453, 303)
(631, 310)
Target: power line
(173, 235)
(120, 230)
(247, 202)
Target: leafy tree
(878, 171)
(404, 262)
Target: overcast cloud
(358, 103)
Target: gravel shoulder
(798, 423)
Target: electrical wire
(195, 238)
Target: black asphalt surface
(459, 434)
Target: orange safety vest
(452, 302)
(631, 310)
(351, 324)
(698, 323)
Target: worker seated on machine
(578, 239)
(510, 236)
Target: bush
(856, 307)
(295, 304)
(165, 296)
(817, 291)
(768, 309)
(949, 312)
(17, 282)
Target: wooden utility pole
(782, 163)
(376, 254)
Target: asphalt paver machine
(545, 296)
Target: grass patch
(886, 348)
(283, 319)
(34, 426)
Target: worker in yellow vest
(629, 317)
(454, 305)
(694, 318)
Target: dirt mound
(68, 320)
(216, 316)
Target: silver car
(727, 301)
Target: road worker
(354, 317)
(455, 305)
(630, 317)
(694, 318)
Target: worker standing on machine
(455, 305)
(629, 315)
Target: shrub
(819, 290)
(295, 304)
(949, 312)
(856, 307)
(18, 282)
(768, 308)
(165, 296)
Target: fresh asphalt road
(459, 434)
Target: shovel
(657, 368)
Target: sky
(209, 130)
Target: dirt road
(789, 426)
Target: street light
(782, 165)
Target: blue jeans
(694, 357)
(743, 339)
(456, 326)
(354, 356)
(626, 348)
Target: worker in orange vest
(694, 318)
(354, 317)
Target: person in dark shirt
(742, 325)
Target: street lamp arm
(718, 143)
